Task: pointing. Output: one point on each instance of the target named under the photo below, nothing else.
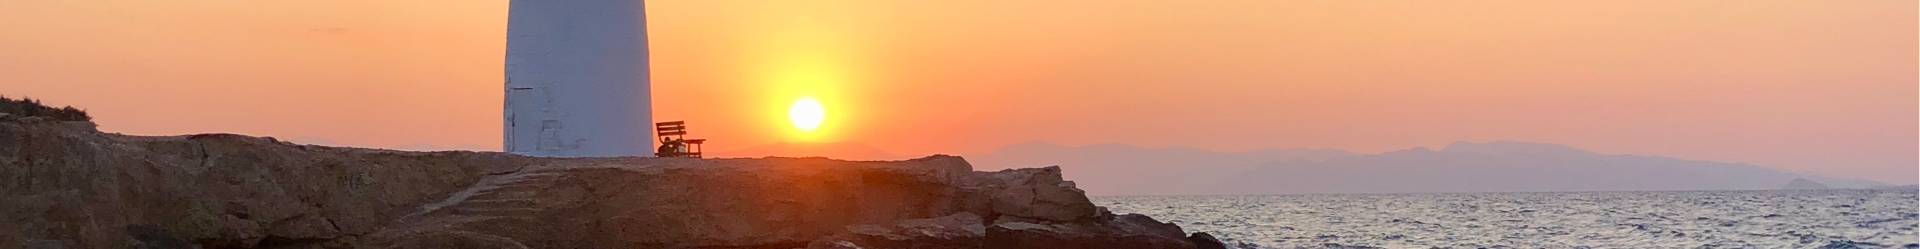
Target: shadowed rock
(962, 230)
(1122, 231)
(1203, 240)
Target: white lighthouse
(577, 79)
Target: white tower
(577, 79)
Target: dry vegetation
(32, 108)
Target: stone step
(503, 203)
(516, 187)
(544, 173)
(525, 184)
(531, 178)
(497, 211)
(499, 194)
(487, 223)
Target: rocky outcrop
(70, 186)
(1033, 193)
(962, 230)
(1123, 231)
(933, 202)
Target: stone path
(512, 194)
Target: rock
(764, 202)
(1040, 193)
(1123, 231)
(1203, 240)
(457, 239)
(962, 230)
(68, 185)
(46, 244)
(1339, 246)
(151, 237)
(65, 181)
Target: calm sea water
(1701, 219)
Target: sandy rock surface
(68, 185)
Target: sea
(1665, 219)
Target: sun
(806, 113)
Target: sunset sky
(1806, 86)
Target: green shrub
(32, 108)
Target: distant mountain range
(1504, 166)
(1908, 186)
(1804, 184)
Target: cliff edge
(68, 185)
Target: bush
(32, 108)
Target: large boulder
(1121, 231)
(736, 203)
(964, 230)
(1037, 193)
(959, 231)
(457, 239)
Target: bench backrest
(672, 128)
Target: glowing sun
(806, 113)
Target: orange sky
(1812, 86)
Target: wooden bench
(673, 142)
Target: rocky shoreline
(70, 186)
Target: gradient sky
(1807, 86)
